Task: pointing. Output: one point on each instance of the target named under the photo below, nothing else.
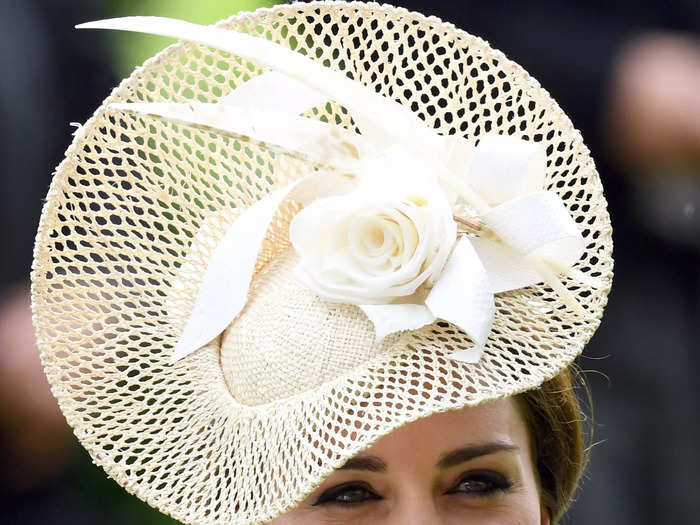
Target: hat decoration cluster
(408, 225)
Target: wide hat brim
(132, 194)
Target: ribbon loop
(463, 296)
(506, 167)
(390, 318)
(538, 224)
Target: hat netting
(116, 270)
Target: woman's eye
(481, 483)
(347, 494)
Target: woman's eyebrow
(369, 463)
(461, 455)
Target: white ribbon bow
(501, 179)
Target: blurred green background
(132, 49)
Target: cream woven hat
(242, 429)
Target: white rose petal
(380, 242)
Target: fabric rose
(379, 243)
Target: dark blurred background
(53, 75)
(628, 75)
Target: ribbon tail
(469, 356)
(224, 289)
(538, 227)
(562, 291)
(577, 275)
(381, 119)
(390, 318)
(506, 269)
(463, 297)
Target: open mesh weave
(115, 272)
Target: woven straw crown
(244, 428)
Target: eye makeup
(351, 493)
(481, 483)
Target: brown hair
(555, 419)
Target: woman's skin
(470, 466)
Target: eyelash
(485, 483)
(332, 496)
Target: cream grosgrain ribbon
(534, 239)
